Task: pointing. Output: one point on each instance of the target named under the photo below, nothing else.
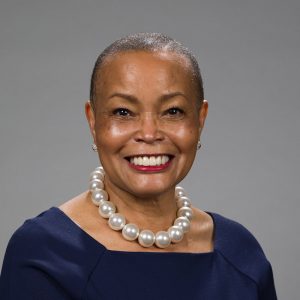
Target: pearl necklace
(130, 231)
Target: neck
(153, 212)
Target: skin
(146, 104)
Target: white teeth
(146, 161)
(149, 160)
(140, 161)
(158, 160)
(152, 161)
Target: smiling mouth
(150, 160)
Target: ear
(202, 115)
(90, 116)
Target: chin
(149, 190)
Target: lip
(150, 168)
(149, 154)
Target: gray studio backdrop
(248, 166)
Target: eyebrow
(134, 99)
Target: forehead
(139, 67)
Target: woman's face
(146, 113)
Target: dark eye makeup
(125, 112)
(121, 111)
(175, 111)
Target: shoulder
(33, 236)
(53, 244)
(232, 237)
(51, 251)
(240, 248)
(52, 230)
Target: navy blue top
(50, 257)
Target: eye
(175, 111)
(124, 112)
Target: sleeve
(243, 251)
(25, 275)
(267, 289)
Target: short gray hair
(148, 42)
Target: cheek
(112, 134)
(185, 135)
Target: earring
(198, 145)
(94, 147)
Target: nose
(149, 129)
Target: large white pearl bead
(130, 232)
(185, 212)
(179, 191)
(184, 201)
(96, 175)
(146, 238)
(176, 234)
(162, 239)
(96, 184)
(100, 169)
(184, 223)
(106, 208)
(98, 196)
(116, 221)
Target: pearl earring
(94, 147)
(198, 145)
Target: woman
(146, 114)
